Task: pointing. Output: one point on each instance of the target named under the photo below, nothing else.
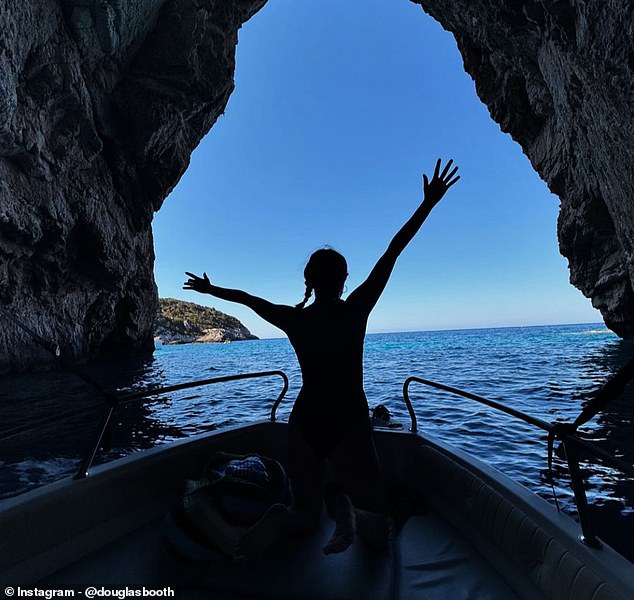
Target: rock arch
(103, 101)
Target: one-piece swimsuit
(328, 340)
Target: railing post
(588, 535)
(105, 427)
(281, 395)
(572, 445)
(408, 403)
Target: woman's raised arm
(368, 293)
(276, 314)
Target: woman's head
(325, 274)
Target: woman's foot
(345, 528)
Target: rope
(49, 346)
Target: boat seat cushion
(534, 562)
(436, 563)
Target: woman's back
(328, 339)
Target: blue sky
(339, 108)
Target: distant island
(181, 322)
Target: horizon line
(478, 328)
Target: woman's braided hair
(307, 295)
(326, 270)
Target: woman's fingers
(447, 167)
(198, 284)
(191, 283)
(453, 172)
(450, 183)
(441, 181)
(446, 175)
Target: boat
(479, 536)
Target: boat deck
(427, 558)
(483, 536)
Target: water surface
(547, 372)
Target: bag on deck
(233, 494)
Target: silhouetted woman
(330, 418)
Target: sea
(49, 419)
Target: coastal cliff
(101, 104)
(103, 101)
(179, 322)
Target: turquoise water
(546, 372)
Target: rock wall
(101, 105)
(559, 77)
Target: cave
(103, 102)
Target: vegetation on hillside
(180, 321)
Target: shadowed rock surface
(181, 322)
(101, 105)
(559, 77)
(103, 101)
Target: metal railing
(105, 422)
(574, 446)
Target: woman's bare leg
(345, 527)
(359, 473)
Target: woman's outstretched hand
(440, 183)
(198, 284)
